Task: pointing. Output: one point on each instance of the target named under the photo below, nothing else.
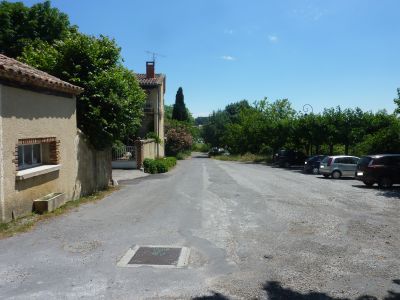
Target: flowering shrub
(179, 139)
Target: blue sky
(324, 53)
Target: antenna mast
(155, 55)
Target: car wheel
(287, 165)
(315, 171)
(385, 183)
(368, 183)
(326, 175)
(336, 175)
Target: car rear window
(325, 160)
(386, 160)
(364, 161)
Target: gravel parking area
(254, 232)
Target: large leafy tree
(397, 102)
(180, 112)
(110, 109)
(21, 26)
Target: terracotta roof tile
(17, 72)
(143, 81)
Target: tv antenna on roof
(155, 55)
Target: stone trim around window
(54, 149)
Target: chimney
(150, 69)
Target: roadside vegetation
(28, 222)
(201, 147)
(264, 127)
(159, 165)
(180, 131)
(247, 157)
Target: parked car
(339, 166)
(381, 169)
(217, 151)
(286, 158)
(312, 164)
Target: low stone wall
(93, 168)
(145, 149)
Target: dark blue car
(311, 165)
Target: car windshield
(315, 158)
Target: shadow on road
(214, 296)
(393, 192)
(341, 178)
(276, 291)
(200, 156)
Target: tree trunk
(346, 149)
(331, 149)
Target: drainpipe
(158, 120)
(2, 204)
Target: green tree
(180, 111)
(21, 26)
(201, 121)
(111, 107)
(397, 102)
(168, 111)
(383, 135)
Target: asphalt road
(253, 231)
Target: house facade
(153, 121)
(38, 137)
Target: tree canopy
(111, 106)
(21, 26)
(265, 126)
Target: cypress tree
(179, 111)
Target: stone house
(153, 121)
(39, 144)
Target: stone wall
(93, 167)
(145, 149)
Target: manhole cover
(156, 256)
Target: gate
(124, 158)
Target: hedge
(159, 165)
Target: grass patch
(248, 157)
(183, 155)
(28, 222)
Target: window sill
(36, 171)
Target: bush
(159, 165)
(150, 166)
(179, 138)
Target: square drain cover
(155, 256)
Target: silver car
(339, 166)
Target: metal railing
(125, 153)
